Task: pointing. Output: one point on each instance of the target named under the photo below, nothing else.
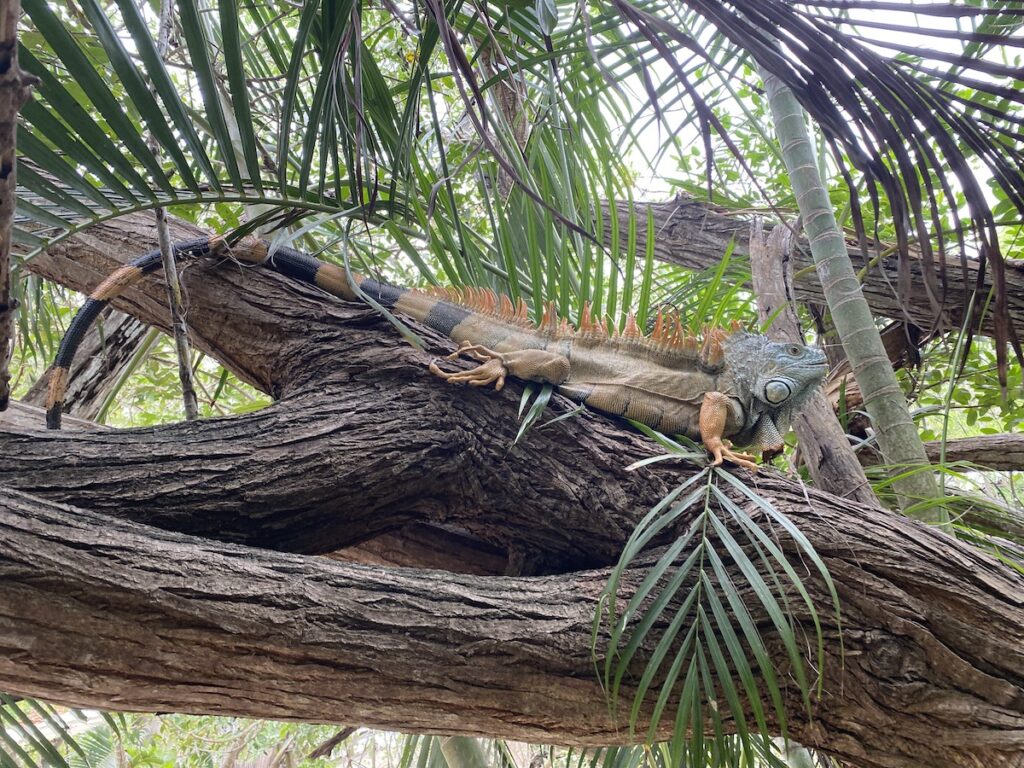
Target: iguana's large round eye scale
(777, 391)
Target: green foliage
(700, 616)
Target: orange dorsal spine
(668, 336)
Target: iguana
(733, 385)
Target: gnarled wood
(100, 612)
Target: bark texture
(97, 608)
(694, 234)
(100, 612)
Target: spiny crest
(485, 302)
(669, 335)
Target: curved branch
(253, 325)
(104, 612)
(1003, 452)
(100, 612)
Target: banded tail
(470, 314)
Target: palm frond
(34, 733)
(700, 616)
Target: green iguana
(732, 386)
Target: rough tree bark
(97, 608)
(694, 234)
(100, 612)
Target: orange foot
(492, 371)
(724, 451)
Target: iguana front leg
(527, 364)
(714, 412)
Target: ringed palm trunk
(898, 437)
(463, 752)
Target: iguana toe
(491, 372)
(745, 460)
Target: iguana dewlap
(732, 386)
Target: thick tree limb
(100, 612)
(695, 234)
(273, 479)
(1002, 452)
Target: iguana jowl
(736, 386)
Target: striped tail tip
(55, 397)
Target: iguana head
(772, 380)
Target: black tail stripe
(443, 317)
(77, 330)
(296, 264)
(383, 293)
(151, 261)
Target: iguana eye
(776, 391)
(794, 350)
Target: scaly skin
(732, 386)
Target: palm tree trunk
(898, 437)
(463, 752)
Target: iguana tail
(109, 289)
(471, 314)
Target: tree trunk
(98, 609)
(896, 432)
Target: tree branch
(101, 612)
(695, 234)
(1003, 452)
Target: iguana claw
(492, 371)
(724, 452)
